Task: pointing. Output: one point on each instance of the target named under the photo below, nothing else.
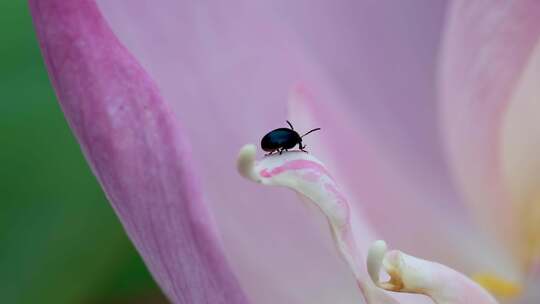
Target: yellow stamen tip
(498, 286)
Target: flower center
(528, 252)
(498, 286)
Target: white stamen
(308, 176)
(375, 259)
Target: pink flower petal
(486, 48)
(136, 149)
(227, 68)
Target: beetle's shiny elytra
(283, 139)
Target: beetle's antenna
(290, 124)
(316, 129)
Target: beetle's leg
(280, 151)
(303, 147)
(270, 153)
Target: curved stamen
(308, 176)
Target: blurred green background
(60, 240)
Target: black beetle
(283, 139)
